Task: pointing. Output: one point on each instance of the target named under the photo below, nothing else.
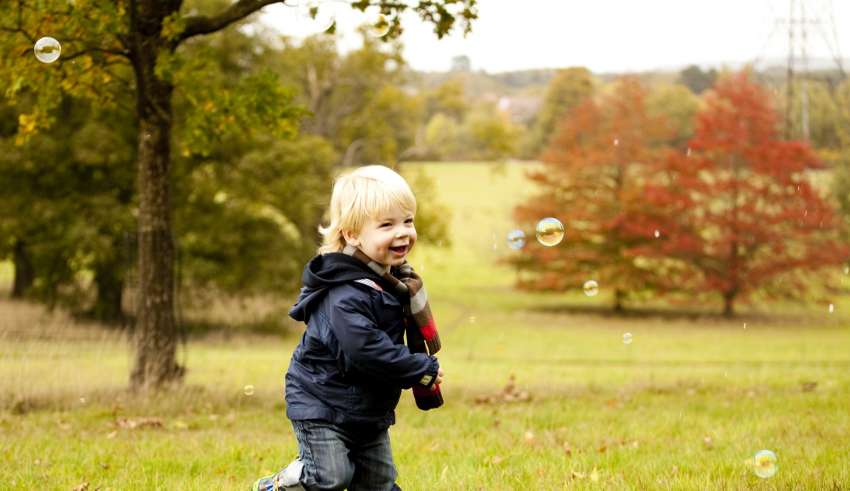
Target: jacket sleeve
(370, 349)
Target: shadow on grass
(177, 399)
(673, 313)
(197, 329)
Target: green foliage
(449, 98)
(67, 197)
(567, 89)
(433, 217)
(678, 106)
(249, 227)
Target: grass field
(541, 390)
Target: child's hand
(439, 379)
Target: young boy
(346, 375)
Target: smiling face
(388, 238)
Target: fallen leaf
(81, 487)
(578, 475)
(138, 423)
(808, 386)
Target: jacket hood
(325, 271)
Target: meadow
(541, 390)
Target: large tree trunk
(729, 304)
(619, 297)
(156, 332)
(24, 270)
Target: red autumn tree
(740, 213)
(591, 180)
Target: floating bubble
(831, 308)
(82, 400)
(472, 319)
(249, 390)
(47, 49)
(591, 288)
(381, 26)
(516, 239)
(616, 142)
(657, 233)
(764, 464)
(688, 152)
(846, 269)
(627, 338)
(745, 325)
(550, 232)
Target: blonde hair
(367, 192)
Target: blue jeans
(337, 458)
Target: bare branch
(125, 54)
(202, 24)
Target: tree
(694, 78)
(353, 100)
(567, 89)
(66, 198)
(592, 177)
(102, 40)
(742, 212)
(678, 106)
(841, 156)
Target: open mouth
(399, 250)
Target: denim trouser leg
(336, 458)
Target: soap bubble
(381, 26)
(47, 49)
(831, 308)
(627, 338)
(550, 232)
(591, 288)
(657, 233)
(764, 464)
(516, 239)
(249, 390)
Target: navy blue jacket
(351, 363)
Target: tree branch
(125, 54)
(202, 24)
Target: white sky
(608, 35)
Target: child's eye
(386, 224)
(409, 221)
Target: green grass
(681, 407)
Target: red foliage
(738, 208)
(592, 181)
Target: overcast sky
(611, 35)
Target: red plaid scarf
(422, 336)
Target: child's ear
(350, 238)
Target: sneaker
(288, 479)
(265, 484)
